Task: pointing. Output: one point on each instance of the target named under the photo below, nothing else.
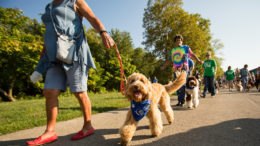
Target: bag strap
(51, 6)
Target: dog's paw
(123, 143)
(170, 119)
(155, 135)
(189, 107)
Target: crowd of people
(181, 57)
(240, 79)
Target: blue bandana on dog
(140, 109)
(187, 87)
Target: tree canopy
(20, 46)
(21, 43)
(163, 19)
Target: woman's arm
(84, 11)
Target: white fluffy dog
(238, 85)
(192, 91)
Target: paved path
(229, 119)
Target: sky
(235, 23)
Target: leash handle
(122, 85)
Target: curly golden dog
(139, 89)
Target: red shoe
(40, 141)
(81, 135)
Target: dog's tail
(177, 84)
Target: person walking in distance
(179, 56)
(257, 78)
(230, 78)
(244, 76)
(209, 69)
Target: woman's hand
(108, 42)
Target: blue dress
(70, 25)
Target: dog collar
(189, 87)
(140, 109)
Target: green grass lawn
(26, 114)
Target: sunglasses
(207, 55)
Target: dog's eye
(132, 81)
(142, 80)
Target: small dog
(192, 91)
(238, 85)
(250, 84)
(139, 90)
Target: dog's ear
(187, 82)
(196, 81)
(127, 87)
(150, 89)
(127, 83)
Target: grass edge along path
(25, 114)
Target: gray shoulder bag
(65, 45)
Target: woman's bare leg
(51, 96)
(85, 105)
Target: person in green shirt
(230, 74)
(209, 68)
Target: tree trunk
(10, 90)
(8, 96)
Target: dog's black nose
(136, 87)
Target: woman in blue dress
(65, 17)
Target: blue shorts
(58, 78)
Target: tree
(20, 46)
(107, 58)
(98, 51)
(163, 19)
(123, 41)
(217, 46)
(113, 72)
(95, 80)
(145, 62)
